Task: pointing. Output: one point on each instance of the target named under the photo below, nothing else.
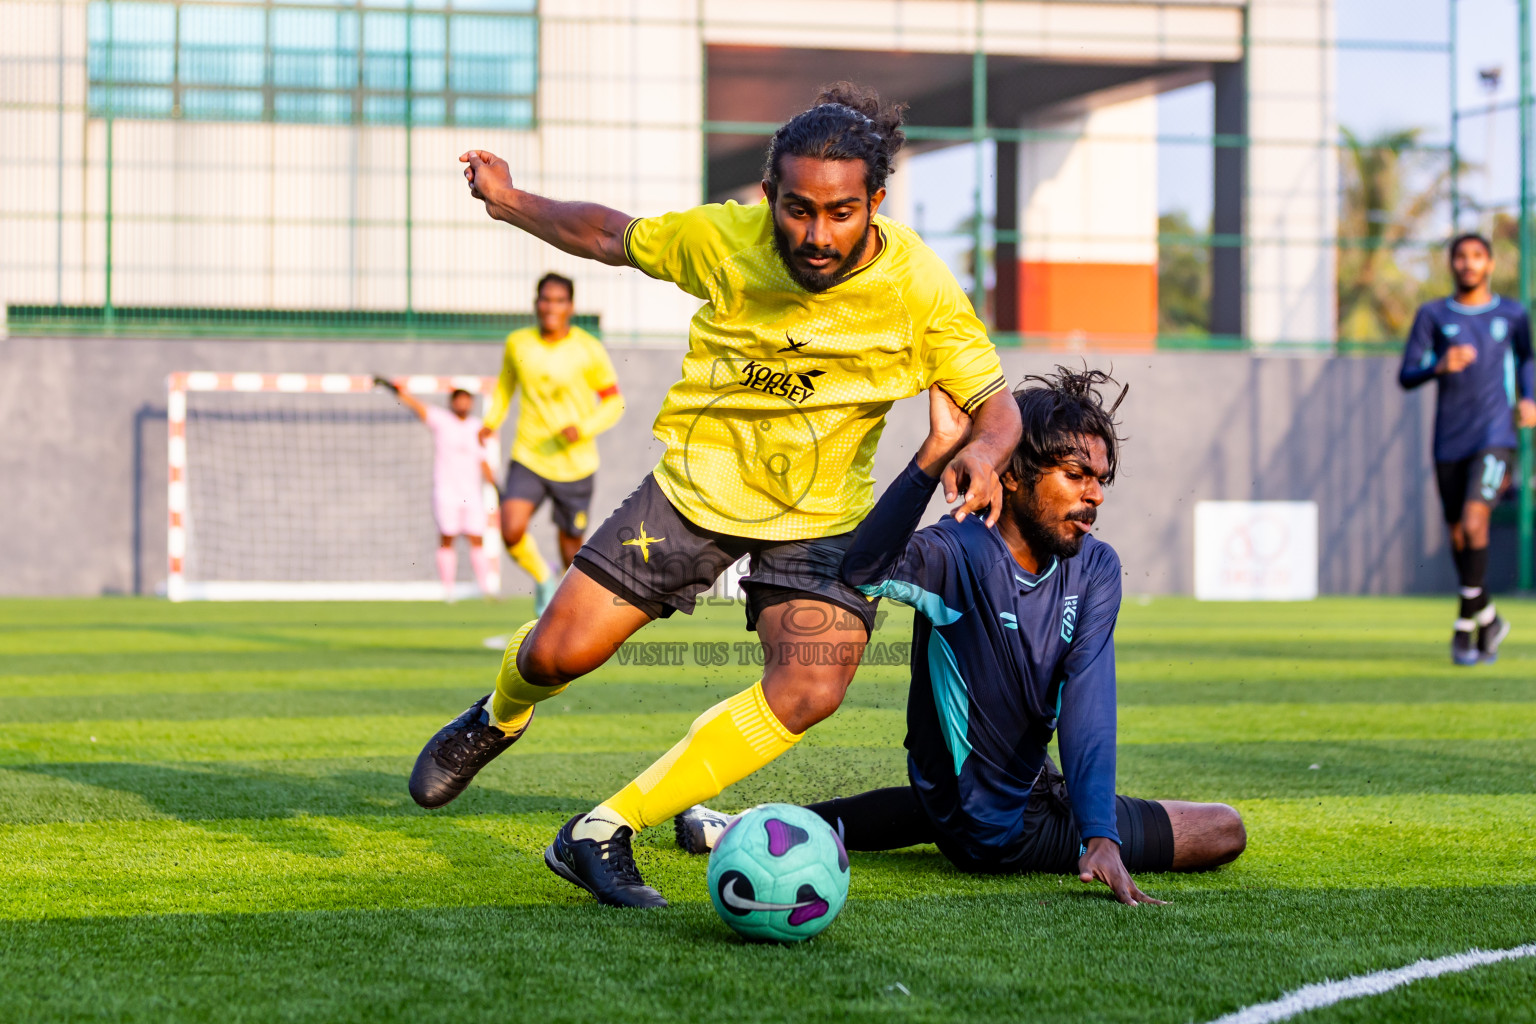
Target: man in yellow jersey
(817, 315)
(569, 394)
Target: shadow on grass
(467, 663)
(1236, 771)
(980, 958)
(202, 792)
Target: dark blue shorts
(569, 500)
(1050, 843)
(1484, 477)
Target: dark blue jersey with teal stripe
(1001, 659)
(1472, 408)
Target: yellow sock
(526, 554)
(512, 703)
(725, 744)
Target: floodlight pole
(1527, 255)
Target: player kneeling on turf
(1013, 641)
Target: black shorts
(570, 500)
(1484, 477)
(1050, 842)
(650, 555)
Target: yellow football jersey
(771, 431)
(559, 382)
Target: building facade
(302, 157)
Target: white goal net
(293, 486)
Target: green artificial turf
(203, 817)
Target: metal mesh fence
(287, 166)
(304, 488)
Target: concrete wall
(82, 453)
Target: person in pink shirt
(458, 470)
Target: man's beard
(1473, 284)
(811, 280)
(1042, 541)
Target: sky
(1378, 90)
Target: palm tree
(1381, 212)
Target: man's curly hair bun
(847, 122)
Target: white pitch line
(1313, 997)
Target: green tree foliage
(1391, 189)
(1183, 277)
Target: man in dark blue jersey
(1477, 346)
(1013, 642)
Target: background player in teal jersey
(1477, 347)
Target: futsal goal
(306, 487)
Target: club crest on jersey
(1498, 328)
(793, 385)
(1069, 618)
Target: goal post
(307, 487)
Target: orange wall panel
(1116, 301)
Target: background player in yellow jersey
(817, 315)
(568, 394)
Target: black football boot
(698, 827)
(461, 748)
(605, 868)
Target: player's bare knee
(1474, 524)
(545, 658)
(1231, 837)
(804, 712)
(805, 700)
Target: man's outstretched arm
(1087, 744)
(407, 399)
(1086, 732)
(589, 230)
(973, 477)
(882, 540)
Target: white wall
(1292, 172)
(1092, 198)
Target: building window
(434, 62)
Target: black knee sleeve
(1146, 834)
